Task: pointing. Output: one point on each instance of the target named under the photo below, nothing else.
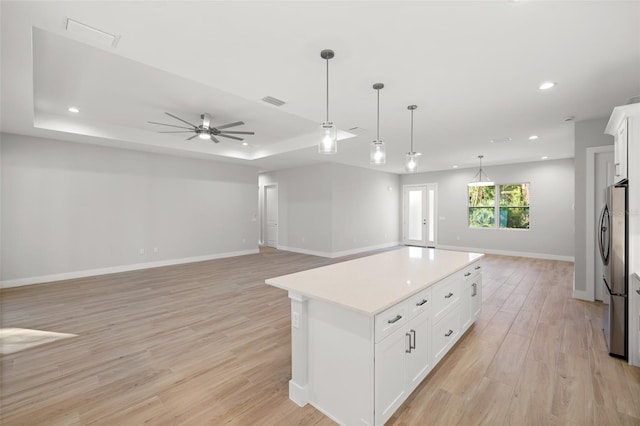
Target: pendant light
(329, 142)
(411, 165)
(377, 153)
(479, 181)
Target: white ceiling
(473, 69)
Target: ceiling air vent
(91, 34)
(273, 101)
(500, 140)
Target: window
(511, 210)
(482, 206)
(514, 206)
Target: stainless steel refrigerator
(612, 241)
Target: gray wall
(69, 207)
(304, 206)
(333, 209)
(552, 197)
(588, 134)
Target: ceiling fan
(205, 130)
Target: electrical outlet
(141, 251)
(295, 320)
(155, 249)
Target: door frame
(590, 224)
(265, 239)
(434, 219)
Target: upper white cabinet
(618, 127)
(620, 151)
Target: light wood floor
(208, 343)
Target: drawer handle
(467, 274)
(477, 267)
(394, 320)
(449, 333)
(448, 295)
(422, 302)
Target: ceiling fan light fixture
(204, 135)
(377, 153)
(329, 139)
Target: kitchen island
(366, 332)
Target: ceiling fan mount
(205, 130)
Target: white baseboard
(509, 253)
(298, 394)
(115, 269)
(583, 295)
(304, 251)
(338, 253)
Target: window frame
(497, 208)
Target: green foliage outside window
(513, 209)
(482, 201)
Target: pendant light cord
(411, 131)
(327, 89)
(378, 124)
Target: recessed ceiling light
(544, 157)
(73, 110)
(533, 137)
(455, 167)
(547, 85)
(245, 144)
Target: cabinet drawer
(445, 294)
(420, 303)
(472, 270)
(390, 320)
(445, 333)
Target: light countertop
(373, 283)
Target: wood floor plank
(208, 343)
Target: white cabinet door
(419, 358)
(390, 374)
(620, 151)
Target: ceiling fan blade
(170, 125)
(213, 138)
(230, 137)
(194, 136)
(225, 126)
(179, 131)
(178, 118)
(238, 133)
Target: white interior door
(271, 215)
(604, 170)
(419, 215)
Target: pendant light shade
(478, 177)
(377, 154)
(411, 163)
(329, 139)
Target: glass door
(419, 207)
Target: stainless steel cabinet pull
(475, 289)
(414, 340)
(396, 319)
(408, 350)
(638, 291)
(477, 267)
(449, 333)
(467, 274)
(422, 302)
(448, 295)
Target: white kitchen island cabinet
(366, 332)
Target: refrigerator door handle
(609, 290)
(602, 229)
